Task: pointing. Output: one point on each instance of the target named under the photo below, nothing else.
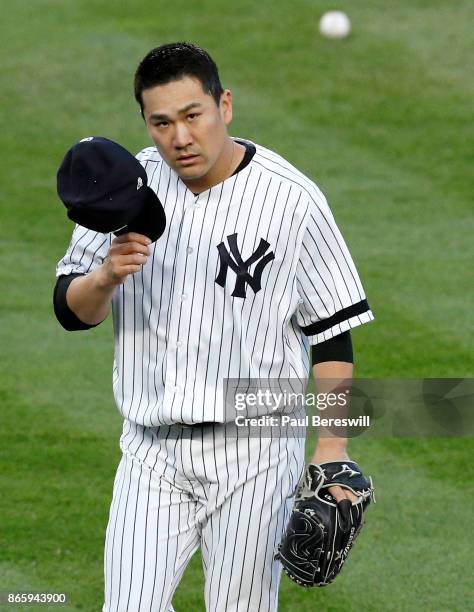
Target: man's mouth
(187, 159)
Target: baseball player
(251, 279)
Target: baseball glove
(321, 532)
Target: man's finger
(345, 518)
(340, 493)
(132, 237)
(125, 248)
(344, 503)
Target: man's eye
(193, 116)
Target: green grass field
(382, 122)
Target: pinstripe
(283, 524)
(96, 253)
(112, 574)
(264, 300)
(152, 404)
(331, 231)
(180, 310)
(109, 561)
(133, 538)
(245, 228)
(173, 276)
(258, 529)
(310, 282)
(75, 242)
(146, 328)
(122, 367)
(220, 484)
(220, 331)
(148, 487)
(156, 549)
(268, 305)
(239, 516)
(203, 299)
(87, 247)
(269, 551)
(123, 531)
(334, 258)
(167, 565)
(134, 352)
(253, 303)
(212, 315)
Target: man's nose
(182, 136)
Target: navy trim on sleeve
(64, 314)
(337, 348)
(338, 317)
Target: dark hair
(174, 61)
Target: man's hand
(127, 254)
(334, 450)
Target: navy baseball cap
(104, 188)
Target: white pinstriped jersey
(247, 275)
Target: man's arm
(89, 296)
(330, 447)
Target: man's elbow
(66, 317)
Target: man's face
(188, 128)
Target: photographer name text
(315, 420)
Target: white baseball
(335, 24)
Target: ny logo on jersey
(240, 267)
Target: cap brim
(94, 220)
(151, 221)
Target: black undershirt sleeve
(63, 313)
(338, 348)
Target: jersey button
(179, 343)
(189, 250)
(177, 389)
(183, 296)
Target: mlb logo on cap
(104, 188)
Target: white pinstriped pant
(180, 489)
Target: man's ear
(225, 106)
